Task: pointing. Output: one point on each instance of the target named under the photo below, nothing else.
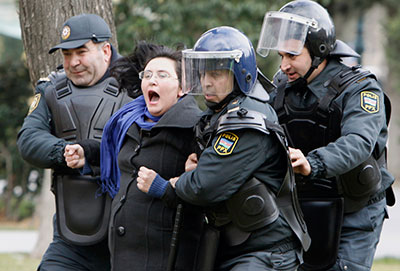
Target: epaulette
(239, 118)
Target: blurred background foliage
(181, 22)
(177, 22)
(15, 189)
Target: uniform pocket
(345, 265)
(377, 213)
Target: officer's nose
(74, 60)
(207, 80)
(285, 63)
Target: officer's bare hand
(299, 162)
(173, 181)
(74, 156)
(145, 178)
(191, 162)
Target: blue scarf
(113, 135)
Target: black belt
(377, 197)
(284, 245)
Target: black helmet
(321, 39)
(304, 21)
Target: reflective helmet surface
(320, 40)
(225, 38)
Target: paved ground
(17, 241)
(24, 241)
(390, 237)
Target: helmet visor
(285, 32)
(208, 72)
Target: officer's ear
(106, 49)
(180, 92)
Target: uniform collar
(330, 71)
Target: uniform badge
(369, 101)
(65, 32)
(34, 103)
(225, 144)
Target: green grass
(386, 264)
(17, 262)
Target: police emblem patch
(65, 32)
(225, 144)
(369, 101)
(34, 103)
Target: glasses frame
(156, 74)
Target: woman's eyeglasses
(162, 75)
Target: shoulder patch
(225, 143)
(369, 102)
(34, 103)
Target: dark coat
(141, 226)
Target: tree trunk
(41, 22)
(44, 210)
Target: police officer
(242, 175)
(336, 118)
(71, 105)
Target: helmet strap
(302, 81)
(309, 72)
(314, 65)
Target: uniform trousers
(64, 256)
(285, 257)
(360, 236)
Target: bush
(25, 209)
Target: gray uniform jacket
(363, 125)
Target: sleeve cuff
(170, 198)
(91, 148)
(158, 187)
(86, 169)
(318, 169)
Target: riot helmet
(219, 50)
(297, 24)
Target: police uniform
(338, 120)
(62, 114)
(351, 131)
(229, 160)
(243, 176)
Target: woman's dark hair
(126, 70)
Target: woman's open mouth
(153, 97)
